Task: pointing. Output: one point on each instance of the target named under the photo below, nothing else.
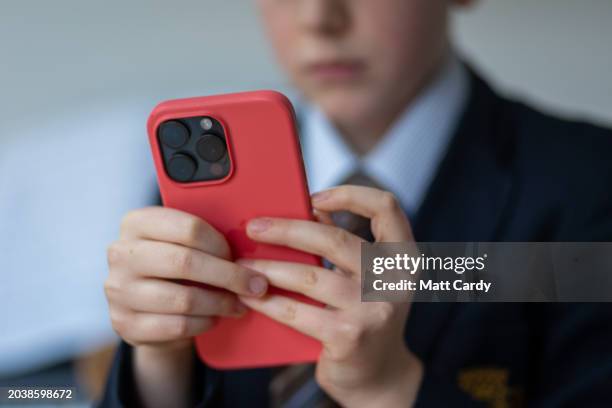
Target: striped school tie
(295, 386)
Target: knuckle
(180, 327)
(182, 262)
(185, 301)
(193, 231)
(237, 278)
(385, 312)
(288, 312)
(352, 334)
(114, 253)
(339, 238)
(389, 201)
(111, 288)
(127, 220)
(118, 322)
(311, 277)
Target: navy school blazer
(511, 174)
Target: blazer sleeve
(121, 392)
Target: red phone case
(266, 179)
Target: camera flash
(206, 124)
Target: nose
(326, 17)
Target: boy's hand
(158, 248)
(365, 359)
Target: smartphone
(228, 159)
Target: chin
(347, 108)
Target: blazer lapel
(467, 200)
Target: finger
(165, 297)
(151, 259)
(320, 284)
(388, 220)
(323, 217)
(335, 244)
(311, 320)
(169, 225)
(143, 328)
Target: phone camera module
(194, 149)
(211, 148)
(181, 167)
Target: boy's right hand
(157, 249)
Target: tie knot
(354, 223)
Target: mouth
(336, 71)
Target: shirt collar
(407, 157)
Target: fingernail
(258, 285)
(320, 196)
(259, 225)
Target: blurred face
(359, 60)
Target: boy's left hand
(365, 360)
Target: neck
(366, 132)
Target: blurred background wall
(59, 54)
(555, 52)
(81, 76)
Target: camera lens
(181, 167)
(173, 134)
(211, 148)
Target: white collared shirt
(407, 157)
